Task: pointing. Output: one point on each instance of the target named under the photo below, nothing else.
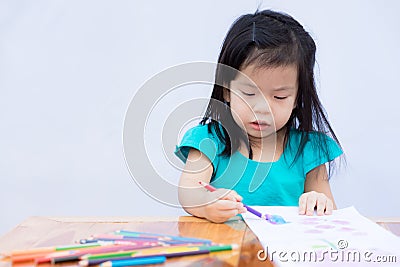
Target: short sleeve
(199, 138)
(319, 150)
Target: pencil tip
(3, 255)
(83, 263)
(235, 246)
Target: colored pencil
(167, 255)
(79, 255)
(128, 234)
(28, 257)
(143, 238)
(131, 252)
(134, 262)
(217, 248)
(47, 249)
(119, 237)
(189, 251)
(41, 257)
(117, 240)
(76, 254)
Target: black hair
(269, 39)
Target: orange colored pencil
(15, 253)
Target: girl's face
(264, 110)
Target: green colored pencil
(214, 248)
(217, 248)
(109, 255)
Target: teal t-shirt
(278, 183)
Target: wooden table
(55, 231)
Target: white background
(68, 70)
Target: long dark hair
(269, 39)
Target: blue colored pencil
(167, 255)
(134, 262)
(128, 234)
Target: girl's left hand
(308, 201)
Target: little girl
(264, 138)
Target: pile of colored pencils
(119, 248)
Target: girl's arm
(317, 193)
(217, 206)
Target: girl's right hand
(224, 204)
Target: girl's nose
(261, 107)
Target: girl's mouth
(259, 125)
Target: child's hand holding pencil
(274, 219)
(223, 204)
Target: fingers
(302, 204)
(307, 203)
(228, 205)
(311, 200)
(236, 196)
(233, 196)
(321, 204)
(222, 210)
(329, 207)
(227, 194)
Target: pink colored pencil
(81, 252)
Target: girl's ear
(227, 95)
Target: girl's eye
(247, 94)
(280, 97)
